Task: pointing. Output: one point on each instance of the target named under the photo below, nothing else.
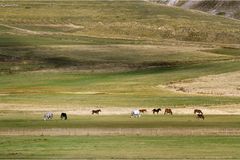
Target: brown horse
(156, 110)
(96, 111)
(142, 110)
(168, 111)
(197, 111)
(200, 116)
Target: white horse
(135, 113)
(47, 116)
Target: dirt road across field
(81, 110)
(120, 132)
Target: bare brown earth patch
(227, 84)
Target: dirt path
(27, 31)
(81, 110)
(120, 132)
(21, 29)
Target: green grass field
(123, 147)
(35, 121)
(118, 137)
(135, 88)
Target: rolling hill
(95, 22)
(110, 53)
(27, 24)
(227, 8)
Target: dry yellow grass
(227, 84)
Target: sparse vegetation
(222, 84)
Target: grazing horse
(96, 111)
(156, 110)
(142, 110)
(63, 116)
(47, 116)
(168, 111)
(200, 116)
(135, 113)
(197, 111)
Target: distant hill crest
(227, 8)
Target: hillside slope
(110, 53)
(95, 22)
(228, 8)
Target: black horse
(96, 111)
(156, 110)
(63, 116)
(197, 111)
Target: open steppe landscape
(75, 56)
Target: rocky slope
(228, 8)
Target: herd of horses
(134, 113)
(167, 111)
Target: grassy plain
(19, 120)
(120, 147)
(133, 88)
